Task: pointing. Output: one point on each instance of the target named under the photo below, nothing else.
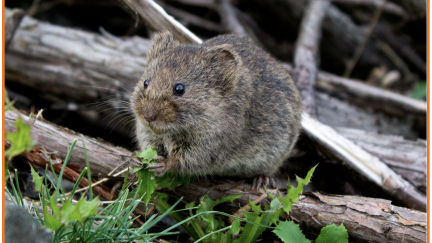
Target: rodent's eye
(178, 89)
(146, 83)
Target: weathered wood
(389, 7)
(367, 219)
(103, 157)
(370, 167)
(407, 158)
(229, 18)
(195, 20)
(335, 112)
(11, 24)
(378, 98)
(157, 19)
(306, 53)
(414, 7)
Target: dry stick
(414, 7)
(157, 19)
(358, 51)
(193, 19)
(398, 62)
(306, 52)
(229, 18)
(11, 25)
(363, 217)
(389, 7)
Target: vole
(221, 108)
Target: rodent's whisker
(124, 118)
(123, 93)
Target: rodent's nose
(150, 116)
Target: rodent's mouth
(157, 129)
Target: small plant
(256, 222)
(86, 220)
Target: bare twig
(157, 19)
(193, 19)
(11, 24)
(414, 7)
(229, 18)
(307, 48)
(389, 7)
(358, 51)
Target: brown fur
(239, 116)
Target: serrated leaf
(293, 193)
(207, 204)
(169, 180)
(229, 198)
(235, 227)
(147, 185)
(255, 208)
(289, 232)
(20, 139)
(334, 234)
(50, 221)
(37, 180)
(148, 154)
(275, 216)
(87, 208)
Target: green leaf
(147, 185)
(37, 180)
(334, 234)
(256, 208)
(20, 139)
(289, 232)
(207, 204)
(136, 169)
(50, 221)
(251, 232)
(293, 193)
(236, 227)
(169, 180)
(420, 91)
(148, 154)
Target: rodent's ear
(225, 60)
(159, 43)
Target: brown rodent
(222, 108)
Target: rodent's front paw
(162, 165)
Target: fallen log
(407, 158)
(366, 219)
